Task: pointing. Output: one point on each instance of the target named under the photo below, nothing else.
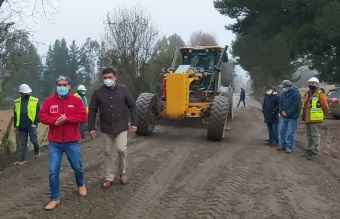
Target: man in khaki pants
(113, 101)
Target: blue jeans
(55, 153)
(23, 136)
(273, 133)
(287, 132)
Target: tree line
(276, 37)
(131, 44)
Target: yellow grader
(191, 87)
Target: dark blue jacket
(270, 108)
(242, 95)
(291, 103)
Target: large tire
(147, 113)
(218, 118)
(231, 105)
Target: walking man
(242, 98)
(290, 104)
(314, 109)
(113, 101)
(270, 109)
(81, 94)
(26, 121)
(63, 112)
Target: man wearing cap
(26, 121)
(290, 104)
(81, 94)
(63, 112)
(314, 109)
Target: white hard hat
(82, 87)
(313, 79)
(25, 89)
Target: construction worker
(314, 109)
(26, 121)
(81, 94)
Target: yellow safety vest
(316, 112)
(86, 106)
(31, 109)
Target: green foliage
(310, 30)
(5, 145)
(25, 68)
(266, 60)
(161, 59)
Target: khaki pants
(313, 137)
(114, 142)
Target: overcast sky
(81, 19)
(78, 20)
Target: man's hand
(284, 114)
(93, 134)
(133, 129)
(60, 120)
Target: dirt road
(177, 173)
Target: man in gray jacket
(113, 101)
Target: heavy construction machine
(191, 87)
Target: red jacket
(75, 113)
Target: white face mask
(284, 89)
(82, 92)
(109, 82)
(269, 92)
(275, 92)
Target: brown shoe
(123, 178)
(52, 205)
(107, 183)
(82, 190)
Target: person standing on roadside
(242, 98)
(113, 100)
(26, 121)
(63, 112)
(290, 104)
(270, 109)
(81, 94)
(314, 109)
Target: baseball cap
(286, 83)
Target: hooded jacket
(290, 103)
(75, 113)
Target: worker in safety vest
(81, 94)
(26, 121)
(314, 110)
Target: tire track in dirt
(140, 205)
(183, 196)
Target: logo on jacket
(54, 109)
(70, 106)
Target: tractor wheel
(218, 118)
(147, 113)
(231, 106)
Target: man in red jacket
(63, 112)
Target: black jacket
(242, 95)
(270, 108)
(113, 104)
